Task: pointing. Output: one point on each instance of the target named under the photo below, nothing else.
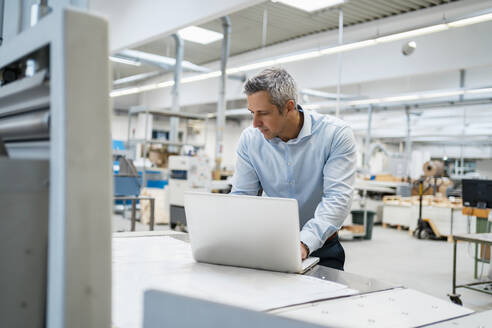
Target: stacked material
(446, 214)
(427, 200)
(161, 210)
(433, 169)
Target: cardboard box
(161, 205)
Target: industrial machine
(55, 160)
(186, 173)
(126, 180)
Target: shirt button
(289, 163)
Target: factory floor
(424, 265)
(396, 257)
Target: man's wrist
(306, 247)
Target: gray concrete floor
(424, 265)
(396, 257)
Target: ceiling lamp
(311, 5)
(199, 35)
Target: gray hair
(279, 84)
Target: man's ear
(291, 105)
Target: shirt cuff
(312, 241)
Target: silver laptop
(245, 231)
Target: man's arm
(245, 180)
(338, 179)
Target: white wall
(126, 102)
(232, 132)
(441, 151)
(484, 167)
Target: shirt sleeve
(338, 179)
(245, 180)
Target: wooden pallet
(355, 228)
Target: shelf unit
(162, 113)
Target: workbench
(481, 286)
(134, 200)
(177, 289)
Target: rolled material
(31, 125)
(433, 169)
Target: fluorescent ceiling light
(347, 47)
(311, 5)
(293, 58)
(123, 92)
(471, 20)
(134, 78)
(200, 77)
(478, 91)
(413, 33)
(148, 87)
(125, 61)
(400, 98)
(165, 84)
(199, 35)
(363, 102)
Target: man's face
(266, 116)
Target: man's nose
(256, 122)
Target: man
(298, 154)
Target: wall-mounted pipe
(463, 131)
(339, 60)
(160, 61)
(168, 64)
(367, 153)
(136, 78)
(408, 142)
(1, 20)
(221, 104)
(380, 147)
(173, 135)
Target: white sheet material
(165, 263)
(399, 307)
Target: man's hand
(304, 251)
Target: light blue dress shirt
(317, 168)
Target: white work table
(162, 261)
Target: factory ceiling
(282, 23)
